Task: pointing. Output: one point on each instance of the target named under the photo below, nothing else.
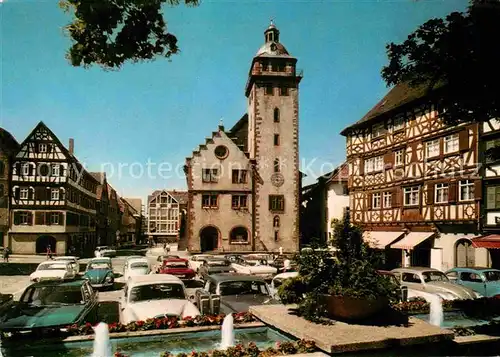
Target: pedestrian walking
(6, 253)
(49, 252)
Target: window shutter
(47, 218)
(39, 193)
(48, 195)
(30, 218)
(17, 168)
(478, 190)
(396, 198)
(452, 194)
(16, 193)
(61, 170)
(389, 158)
(16, 218)
(35, 147)
(369, 203)
(61, 194)
(39, 218)
(31, 171)
(31, 193)
(361, 166)
(430, 193)
(463, 140)
(270, 205)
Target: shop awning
(412, 240)
(491, 242)
(380, 240)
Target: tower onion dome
(272, 47)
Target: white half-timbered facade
(415, 183)
(165, 209)
(53, 198)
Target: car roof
(153, 279)
(134, 257)
(219, 278)
(102, 259)
(54, 262)
(65, 257)
(414, 269)
(291, 274)
(136, 260)
(473, 268)
(59, 283)
(176, 260)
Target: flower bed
(492, 329)
(281, 348)
(162, 324)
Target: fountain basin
(453, 319)
(150, 343)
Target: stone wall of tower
(263, 106)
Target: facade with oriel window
(415, 184)
(53, 198)
(244, 183)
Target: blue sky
(160, 111)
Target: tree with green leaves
(109, 33)
(458, 56)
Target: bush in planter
(352, 273)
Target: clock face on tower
(277, 179)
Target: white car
(53, 270)
(157, 295)
(104, 251)
(196, 261)
(72, 260)
(257, 268)
(136, 267)
(278, 280)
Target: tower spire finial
(272, 21)
(221, 122)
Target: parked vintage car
(51, 305)
(73, 260)
(233, 257)
(135, 267)
(156, 295)
(238, 291)
(421, 281)
(485, 281)
(215, 265)
(128, 259)
(99, 273)
(278, 280)
(259, 268)
(104, 251)
(402, 290)
(161, 259)
(178, 267)
(195, 261)
(53, 270)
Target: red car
(178, 267)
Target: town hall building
(244, 183)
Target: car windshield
(54, 266)
(99, 265)
(53, 295)
(140, 265)
(157, 292)
(492, 275)
(176, 264)
(430, 276)
(243, 288)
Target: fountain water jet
(227, 332)
(102, 344)
(436, 310)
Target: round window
(44, 170)
(221, 152)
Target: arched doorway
(464, 253)
(238, 235)
(43, 242)
(209, 239)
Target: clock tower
(273, 142)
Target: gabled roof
(399, 96)
(65, 151)
(135, 203)
(7, 141)
(340, 174)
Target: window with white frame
(399, 157)
(441, 193)
(368, 165)
(398, 123)
(432, 148)
(451, 143)
(23, 193)
(378, 130)
(466, 190)
(54, 218)
(42, 147)
(374, 164)
(387, 199)
(54, 194)
(26, 169)
(55, 170)
(411, 195)
(376, 201)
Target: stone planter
(350, 308)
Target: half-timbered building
(53, 198)
(415, 184)
(165, 211)
(8, 148)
